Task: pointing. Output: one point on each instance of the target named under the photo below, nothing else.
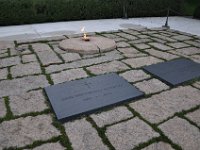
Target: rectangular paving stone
(143, 40)
(164, 38)
(68, 75)
(141, 46)
(181, 37)
(131, 52)
(11, 61)
(70, 57)
(122, 44)
(197, 84)
(26, 69)
(175, 72)
(111, 116)
(88, 95)
(129, 134)
(27, 102)
(194, 116)
(159, 146)
(24, 131)
(3, 73)
(49, 146)
(2, 108)
(127, 36)
(83, 136)
(178, 45)
(160, 46)
(182, 133)
(29, 58)
(161, 106)
(188, 51)
(16, 86)
(159, 54)
(193, 43)
(39, 47)
(48, 58)
(141, 61)
(114, 66)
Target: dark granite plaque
(73, 98)
(175, 72)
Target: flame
(84, 33)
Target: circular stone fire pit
(93, 46)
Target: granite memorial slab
(74, 98)
(175, 72)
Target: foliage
(197, 12)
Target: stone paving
(166, 118)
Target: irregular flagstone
(182, 133)
(85, 62)
(159, 40)
(6, 62)
(151, 86)
(111, 116)
(70, 57)
(28, 102)
(188, 51)
(3, 73)
(143, 40)
(3, 55)
(127, 36)
(83, 136)
(163, 55)
(29, 58)
(39, 47)
(181, 37)
(48, 58)
(195, 58)
(160, 46)
(49, 146)
(24, 131)
(158, 146)
(162, 37)
(122, 44)
(197, 84)
(193, 43)
(161, 106)
(111, 36)
(16, 86)
(141, 46)
(26, 69)
(135, 75)
(131, 52)
(178, 45)
(131, 32)
(114, 66)
(6, 44)
(68, 75)
(127, 135)
(142, 61)
(194, 116)
(2, 108)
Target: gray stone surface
(122, 44)
(127, 36)
(39, 47)
(28, 102)
(68, 75)
(178, 45)
(111, 116)
(3, 73)
(159, 54)
(188, 51)
(182, 132)
(70, 57)
(161, 106)
(6, 44)
(16, 86)
(158, 146)
(24, 131)
(141, 46)
(181, 37)
(144, 40)
(197, 84)
(163, 38)
(135, 75)
(29, 58)
(193, 43)
(26, 69)
(83, 136)
(2, 108)
(127, 135)
(142, 61)
(151, 86)
(160, 46)
(113, 66)
(48, 58)
(194, 116)
(49, 146)
(131, 52)
(9, 61)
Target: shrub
(35, 11)
(197, 12)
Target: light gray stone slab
(111, 116)
(135, 75)
(142, 46)
(26, 69)
(68, 75)
(16, 86)
(127, 135)
(142, 61)
(3, 55)
(49, 146)
(188, 51)
(160, 46)
(11, 61)
(182, 132)
(2, 108)
(159, 40)
(28, 102)
(83, 136)
(161, 106)
(143, 40)
(3, 73)
(197, 84)
(70, 57)
(129, 50)
(114, 66)
(181, 37)
(122, 44)
(132, 32)
(48, 58)
(164, 38)
(178, 45)
(6, 44)
(24, 131)
(158, 146)
(194, 116)
(151, 86)
(127, 36)
(39, 47)
(159, 54)
(193, 43)
(111, 36)
(29, 58)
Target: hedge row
(197, 12)
(35, 11)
